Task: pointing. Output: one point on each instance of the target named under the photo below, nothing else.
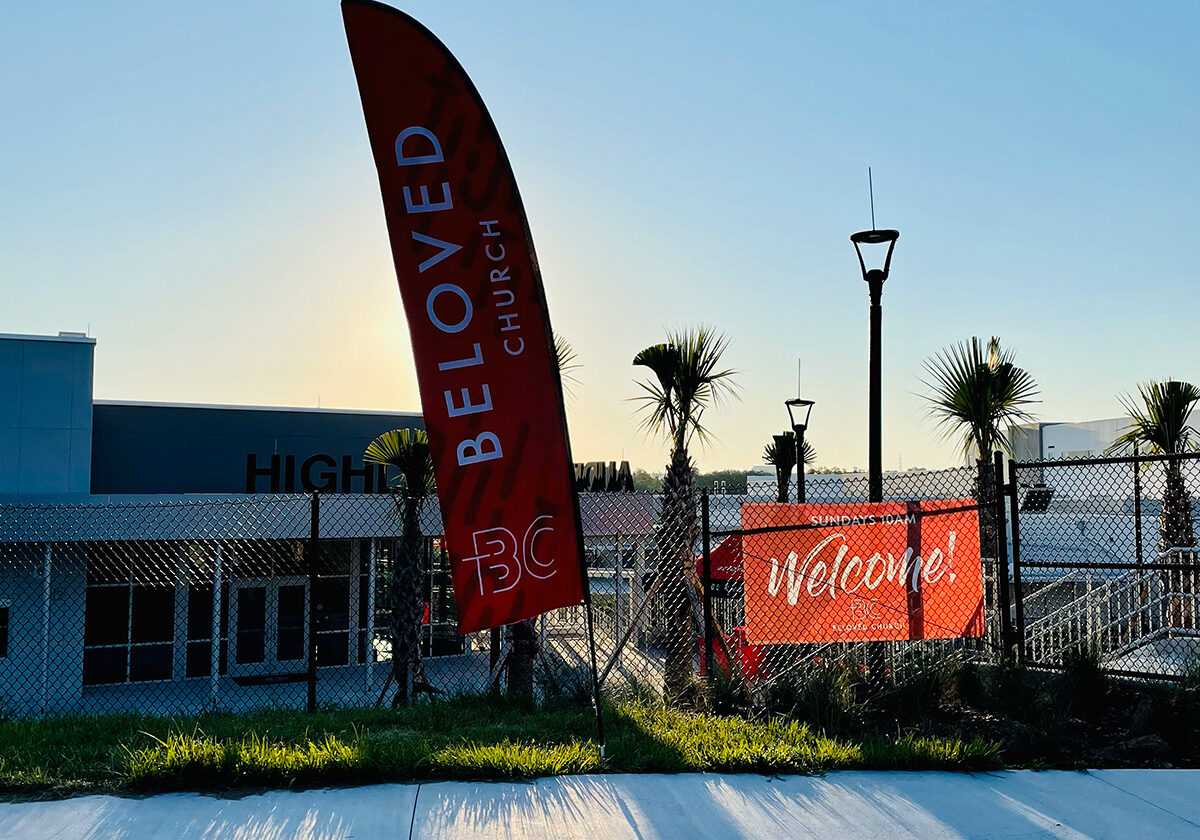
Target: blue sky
(193, 182)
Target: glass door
(291, 640)
(249, 648)
(269, 635)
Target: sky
(191, 183)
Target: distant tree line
(645, 481)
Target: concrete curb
(1118, 804)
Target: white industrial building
(1047, 441)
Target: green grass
(467, 738)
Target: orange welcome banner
(887, 571)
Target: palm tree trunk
(406, 602)
(782, 482)
(986, 482)
(678, 531)
(1175, 531)
(521, 658)
(1175, 523)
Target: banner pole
(584, 580)
(587, 605)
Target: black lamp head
(798, 412)
(875, 237)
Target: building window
(129, 613)
(3, 630)
(150, 608)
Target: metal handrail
(1078, 602)
(1120, 615)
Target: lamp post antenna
(871, 188)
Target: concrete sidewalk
(1119, 804)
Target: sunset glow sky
(192, 183)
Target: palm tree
(976, 393)
(781, 454)
(687, 379)
(406, 450)
(1159, 426)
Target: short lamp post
(875, 278)
(798, 411)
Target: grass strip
(466, 738)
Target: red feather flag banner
(485, 359)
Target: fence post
(47, 567)
(214, 654)
(706, 571)
(314, 545)
(1014, 508)
(369, 652)
(1141, 624)
(1001, 547)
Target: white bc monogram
(505, 559)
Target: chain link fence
(188, 605)
(1105, 563)
(795, 588)
(183, 606)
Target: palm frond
(658, 401)
(1159, 421)
(566, 357)
(775, 457)
(688, 379)
(808, 452)
(663, 361)
(976, 393)
(406, 451)
(700, 380)
(658, 409)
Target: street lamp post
(798, 411)
(875, 278)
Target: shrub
(826, 695)
(559, 682)
(1082, 687)
(1177, 716)
(1013, 691)
(728, 694)
(969, 685)
(924, 682)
